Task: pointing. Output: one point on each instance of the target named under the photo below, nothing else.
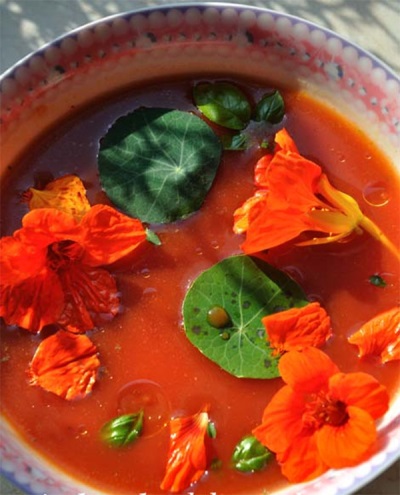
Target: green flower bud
(250, 455)
(123, 430)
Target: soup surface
(146, 358)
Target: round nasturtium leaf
(158, 164)
(247, 289)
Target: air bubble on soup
(150, 397)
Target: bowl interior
(130, 49)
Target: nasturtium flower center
(61, 254)
(324, 410)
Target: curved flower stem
(377, 233)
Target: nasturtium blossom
(51, 267)
(295, 197)
(380, 336)
(321, 418)
(65, 364)
(296, 328)
(187, 456)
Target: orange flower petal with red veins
(301, 461)
(65, 364)
(67, 194)
(297, 328)
(307, 371)
(349, 444)
(380, 336)
(282, 414)
(91, 296)
(33, 303)
(187, 457)
(108, 235)
(360, 390)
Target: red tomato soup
(146, 359)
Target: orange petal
(297, 328)
(187, 457)
(67, 194)
(349, 444)
(380, 336)
(91, 296)
(19, 261)
(285, 141)
(241, 215)
(109, 235)
(307, 371)
(301, 461)
(66, 365)
(44, 226)
(282, 420)
(33, 303)
(360, 390)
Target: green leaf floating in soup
(158, 164)
(247, 289)
(223, 104)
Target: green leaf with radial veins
(158, 164)
(247, 289)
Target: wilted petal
(67, 194)
(296, 328)
(33, 303)
(187, 457)
(380, 336)
(65, 364)
(90, 296)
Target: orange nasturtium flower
(50, 268)
(65, 364)
(294, 197)
(187, 456)
(321, 418)
(296, 328)
(380, 336)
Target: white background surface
(25, 25)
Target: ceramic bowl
(134, 47)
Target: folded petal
(66, 365)
(91, 296)
(307, 371)
(108, 235)
(296, 328)
(67, 194)
(349, 444)
(301, 461)
(34, 303)
(251, 206)
(282, 420)
(360, 390)
(380, 336)
(187, 457)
